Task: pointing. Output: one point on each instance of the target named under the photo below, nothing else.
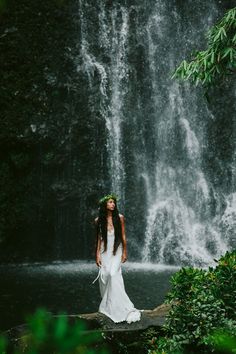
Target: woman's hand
(98, 260)
(124, 257)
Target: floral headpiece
(107, 197)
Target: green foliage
(2, 5)
(223, 340)
(184, 282)
(218, 60)
(225, 283)
(47, 334)
(203, 309)
(3, 344)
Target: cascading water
(179, 227)
(113, 31)
(157, 127)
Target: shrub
(203, 309)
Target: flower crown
(107, 197)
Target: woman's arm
(98, 257)
(124, 252)
(98, 246)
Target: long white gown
(115, 302)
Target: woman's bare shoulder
(96, 219)
(121, 216)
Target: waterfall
(156, 127)
(113, 31)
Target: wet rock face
(52, 146)
(89, 108)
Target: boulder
(115, 334)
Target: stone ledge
(149, 318)
(98, 322)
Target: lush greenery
(203, 310)
(218, 60)
(48, 334)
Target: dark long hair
(101, 226)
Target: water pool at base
(67, 287)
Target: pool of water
(67, 287)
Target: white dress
(115, 302)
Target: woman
(110, 253)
